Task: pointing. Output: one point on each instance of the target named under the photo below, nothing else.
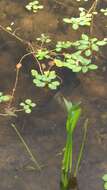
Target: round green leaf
(75, 26)
(58, 63)
(84, 69)
(6, 98)
(28, 110)
(28, 101)
(93, 67)
(67, 20)
(88, 52)
(1, 93)
(85, 37)
(105, 185)
(26, 107)
(95, 47)
(22, 104)
(104, 177)
(33, 104)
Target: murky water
(44, 129)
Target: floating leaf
(88, 52)
(105, 186)
(93, 67)
(104, 177)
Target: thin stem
(26, 147)
(16, 79)
(24, 56)
(93, 8)
(19, 110)
(13, 34)
(4, 114)
(39, 65)
(14, 88)
(32, 48)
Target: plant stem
(33, 50)
(13, 35)
(26, 147)
(93, 8)
(81, 148)
(14, 88)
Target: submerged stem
(26, 147)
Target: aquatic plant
(44, 38)
(10, 110)
(104, 178)
(84, 19)
(104, 11)
(74, 55)
(49, 78)
(27, 105)
(67, 175)
(34, 6)
(4, 98)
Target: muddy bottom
(44, 129)
(44, 132)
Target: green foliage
(80, 60)
(76, 56)
(67, 173)
(42, 54)
(4, 98)
(74, 112)
(84, 19)
(44, 39)
(105, 181)
(48, 78)
(27, 105)
(104, 11)
(62, 45)
(34, 6)
(76, 62)
(89, 45)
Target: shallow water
(44, 129)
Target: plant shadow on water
(44, 129)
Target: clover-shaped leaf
(48, 78)
(4, 98)
(27, 105)
(104, 177)
(42, 54)
(34, 6)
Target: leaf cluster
(34, 6)
(4, 98)
(44, 38)
(48, 78)
(84, 19)
(104, 11)
(105, 181)
(27, 105)
(42, 54)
